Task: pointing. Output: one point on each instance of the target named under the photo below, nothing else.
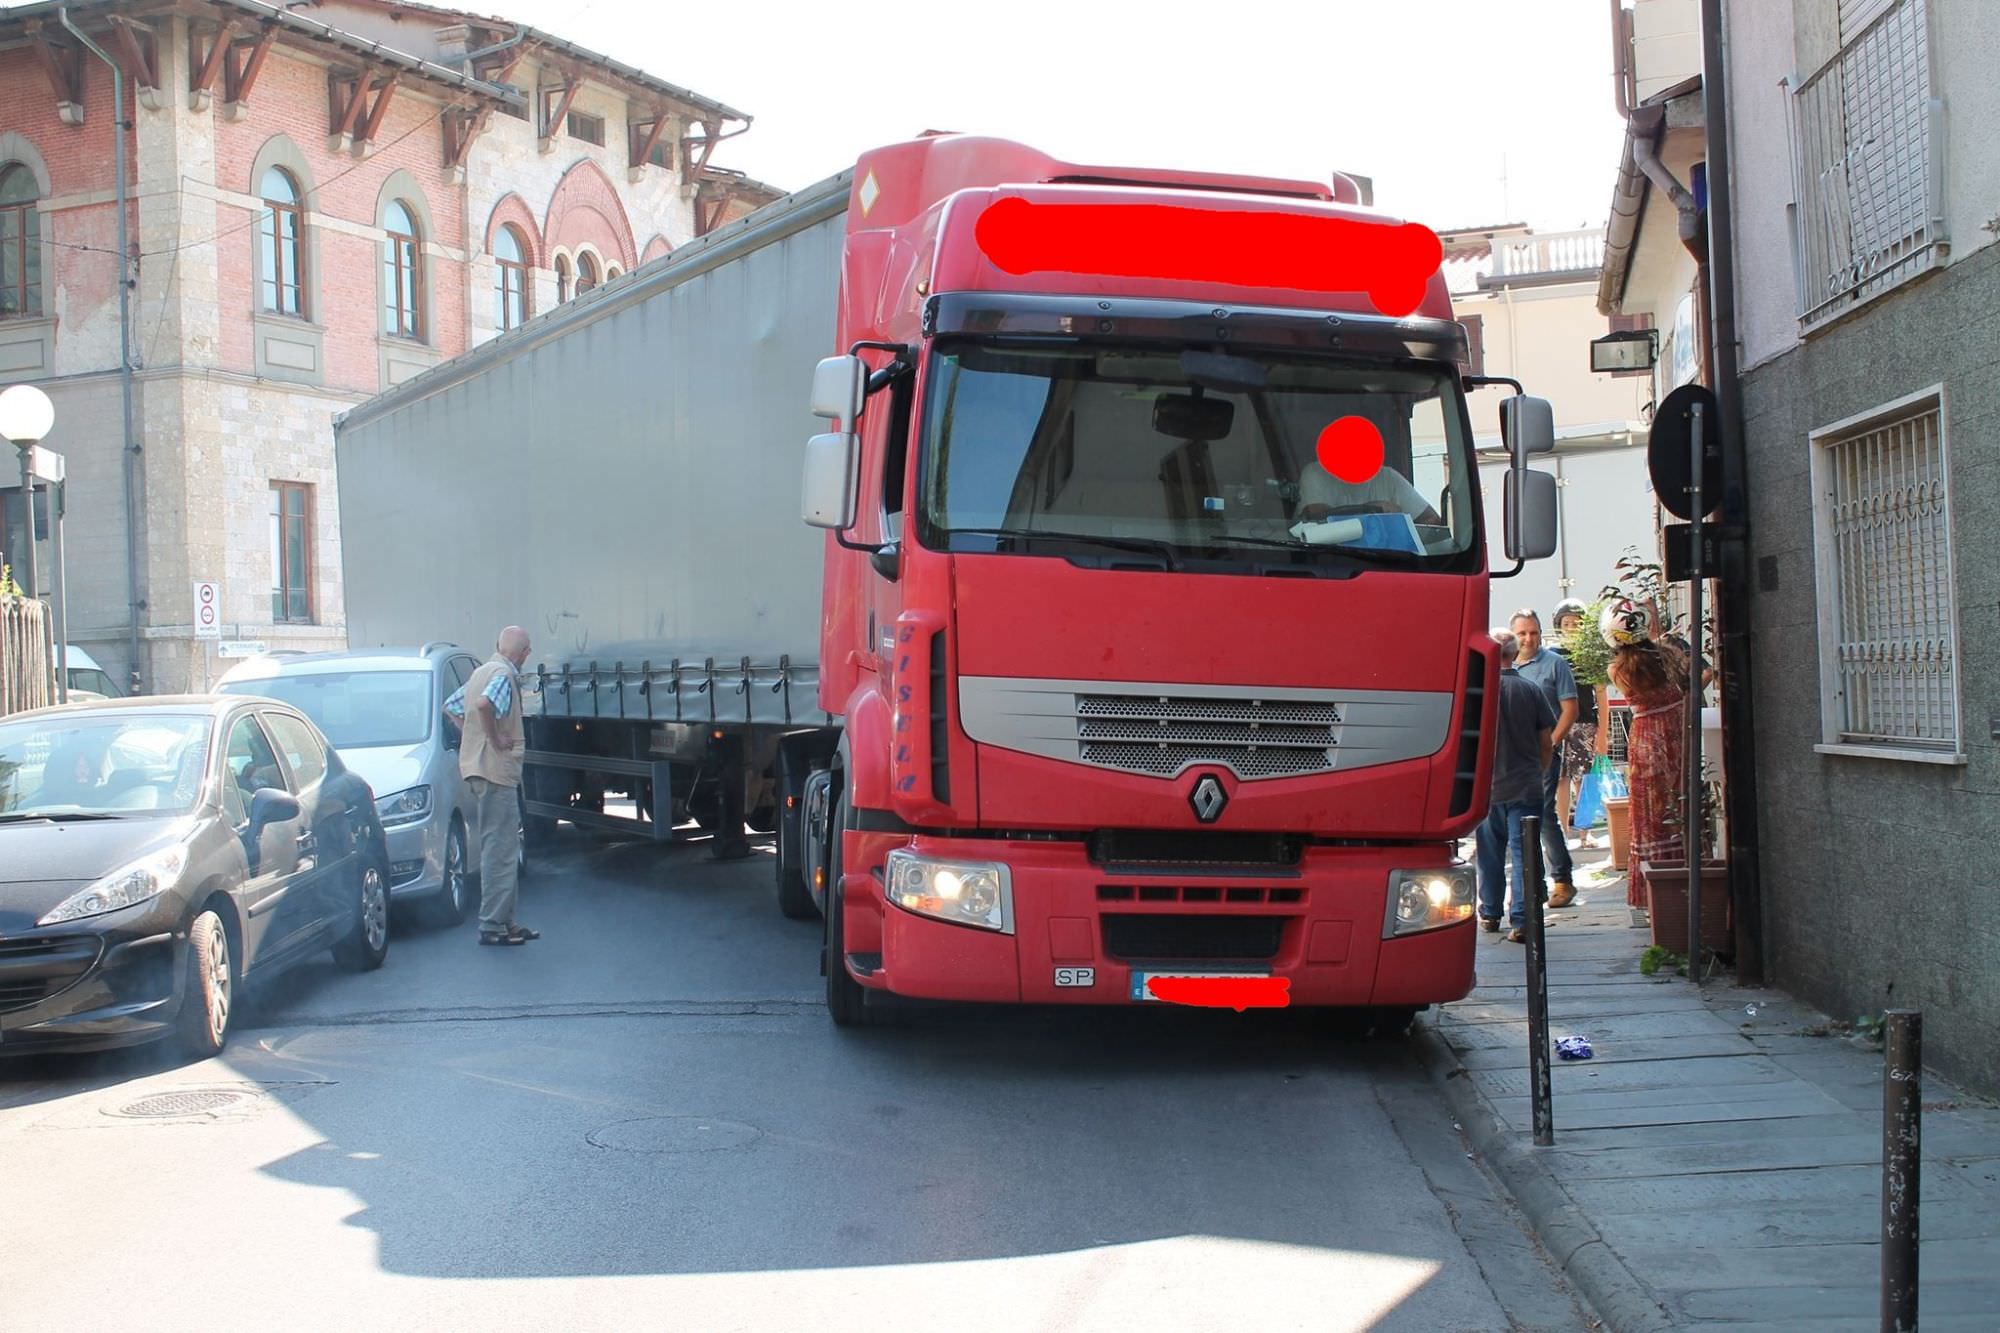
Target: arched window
(562, 279)
(20, 242)
(610, 272)
(510, 283)
(402, 273)
(586, 273)
(281, 244)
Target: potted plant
(1667, 890)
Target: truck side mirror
(833, 471)
(839, 385)
(1527, 426)
(1529, 502)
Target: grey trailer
(620, 476)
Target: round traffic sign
(1669, 455)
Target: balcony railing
(1544, 256)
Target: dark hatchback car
(157, 854)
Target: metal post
(1538, 983)
(58, 505)
(1691, 820)
(1902, 1174)
(32, 585)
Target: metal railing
(27, 679)
(1868, 162)
(1894, 652)
(1516, 257)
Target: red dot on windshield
(1351, 449)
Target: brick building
(321, 201)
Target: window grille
(1889, 651)
(1867, 148)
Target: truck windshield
(1253, 459)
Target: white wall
(1760, 54)
(1666, 44)
(1968, 36)
(1541, 335)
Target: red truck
(1155, 593)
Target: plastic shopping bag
(1589, 809)
(1611, 781)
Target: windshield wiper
(1386, 554)
(55, 816)
(1145, 545)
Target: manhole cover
(170, 1105)
(674, 1134)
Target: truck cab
(1155, 591)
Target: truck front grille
(1162, 937)
(1164, 736)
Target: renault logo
(1208, 799)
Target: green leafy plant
(1658, 956)
(1869, 1027)
(1589, 655)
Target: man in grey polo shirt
(1521, 751)
(1548, 670)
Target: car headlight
(966, 893)
(1427, 899)
(127, 886)
(404, 807)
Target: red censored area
(1294, 251)
(1351, 449)
(1238, 993)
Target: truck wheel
(846, 998)
(795, 900)
(764, 819)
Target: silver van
(383, 710)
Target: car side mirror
(1529, 503)
(271, 806)
(840, 383)
(832, 478)
(1528, 427)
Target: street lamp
(26, 415)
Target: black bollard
(1902, 1166)
(1538, 984)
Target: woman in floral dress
(1651, 676)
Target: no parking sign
(207, 609)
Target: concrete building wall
(1542, 336)
(229, 398)
(1666, 43)
(1877, 873)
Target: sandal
(497, 937)
(521, 934)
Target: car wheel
(209, 993)
(367, 941)
(521, 841)
(455, 899)
(846, 998)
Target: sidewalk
(1711, 1165)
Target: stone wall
(1879, 878)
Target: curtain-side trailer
(620, 477)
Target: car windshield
(353, 709)
(1290, 458)
(97, 764)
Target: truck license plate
(1139, 980)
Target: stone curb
(1614, 1292)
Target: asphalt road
(644, 1120)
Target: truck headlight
(1426, 899)
(404, 807)
(966, 893)
(128, 886)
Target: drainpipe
(1739, 749)
(131, 450)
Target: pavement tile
(1723, 1146)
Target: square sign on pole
(207, 610)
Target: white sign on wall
(241, 648)
(207, 609)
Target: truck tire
(795, 900)
(764, 819)
(846, 998)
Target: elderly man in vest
(488, 707)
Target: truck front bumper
(1081, 931)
